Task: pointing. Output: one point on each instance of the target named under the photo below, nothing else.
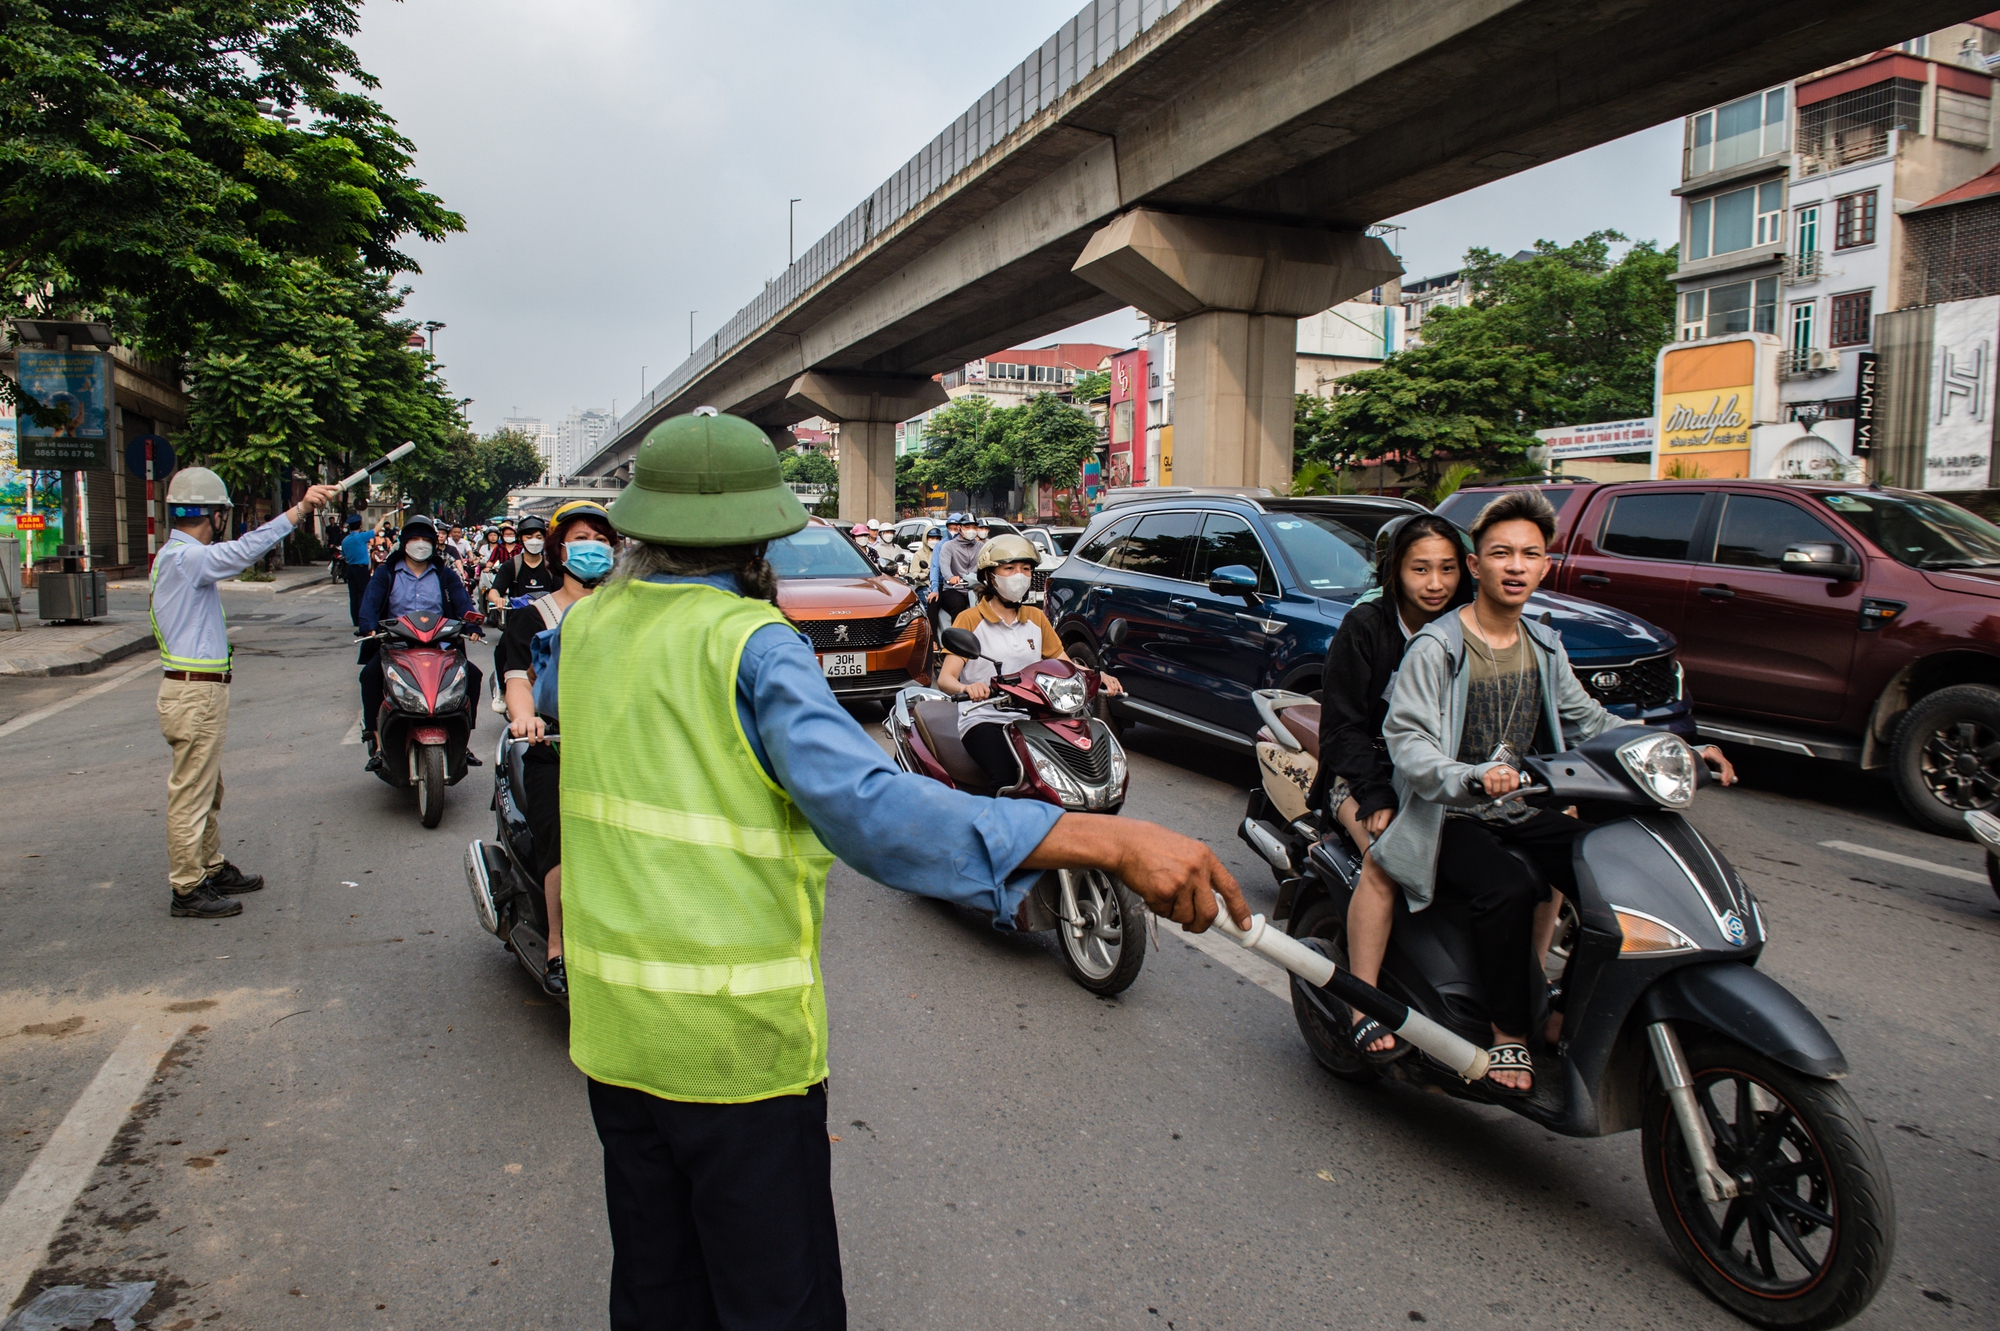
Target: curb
(79, 660)
(304, 582)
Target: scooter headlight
(403, 691)
(1053, 775)
(1064, 695)
(1663, 765)
(1118, 768)
(452, 694)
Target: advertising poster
(1606, 439)
(1706, 401)
(1958, 449)
(77, 383)
(41, 533)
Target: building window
(1916, 46)
(1855, 126)
(1737, 220)
(1809, 229)
(1742, 131)
(1854, 220)
(1802, 324)
(1849, 324)
(1732, 307)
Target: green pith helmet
(706, 479)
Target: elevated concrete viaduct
(1217, 162)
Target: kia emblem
(1606, 679)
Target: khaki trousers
(194, 717)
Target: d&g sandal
(1509, 1058)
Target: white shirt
(1014, 646)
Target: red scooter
(1068, 758)
(426, 717)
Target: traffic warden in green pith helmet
(194, 679)
(709, 781)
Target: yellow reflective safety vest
(693, 888)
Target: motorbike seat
(937, 724)
(1303, 722)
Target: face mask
(587, 561)
(533, 545)
(1013, 586)
(930, 543)
(418, 550)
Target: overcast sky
(622, 162)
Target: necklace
(1520, 674)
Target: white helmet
(874, 524)
(194, 490)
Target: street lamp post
(431, 327)
(792, 231)
(691, 315)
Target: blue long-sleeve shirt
(900, 829)
(375, 601)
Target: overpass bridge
(1217, 163)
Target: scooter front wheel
(1808, 1239)
(1102, 934)
(430, 784)
(1329, 1044)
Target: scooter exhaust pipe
(1468, 1060)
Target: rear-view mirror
(1235, 580)
(1821, 559)
(960, 642)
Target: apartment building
(1794, 203)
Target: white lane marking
(1271, 979)
(26, 719)
(353, 735)
(34, 1210)
(1908, 861)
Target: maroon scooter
(1068, 757)
(426, 718)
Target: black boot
(231, 881)
(555, 980)
(203, 903)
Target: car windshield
(1918, 531)
(816, 552)
(1329, 557)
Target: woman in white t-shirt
(1013, 634)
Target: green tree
(966, 443)
(151, 170)
(809, 466)
(1090, 386)
(1050, 439)
(1429, 406)
(1600, 323)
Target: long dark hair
(1408, 531)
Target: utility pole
(792, 231)
(642, 381)
(691, 315)
(431, 327)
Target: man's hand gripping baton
(396, 454)
(1468, 1060)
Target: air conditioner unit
(1823, 359)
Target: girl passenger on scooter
(1011, 633)
(1420, 573)
(583, 544)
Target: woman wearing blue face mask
(581, 542)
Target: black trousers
(990, 748)
(357, 586)
(1477, 879)
(721, 1215)
(954, 601)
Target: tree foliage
(1090, 386)
(1050, 439)
(1429, 406)
(809, 466)
(975, 447)
(149, 172)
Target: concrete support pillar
(868, 407)
(1237, 291)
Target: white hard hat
(195, 488)
(874, 524)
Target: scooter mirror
(960, 642)
(1115, 635)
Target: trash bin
(72, 596)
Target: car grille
(1645, 684)
(861, 634)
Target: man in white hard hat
(194, 684)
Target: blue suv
(1223, 593)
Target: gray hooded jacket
(1425, 723)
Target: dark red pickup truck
(1840, 621)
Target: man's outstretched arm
(1176, 876)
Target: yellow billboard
(1707, 405)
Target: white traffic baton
(1462, 1056)
(396, 454)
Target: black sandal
(1367, 1031)
(1509, 1058)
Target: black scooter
(1763, 1171)
(506, 890)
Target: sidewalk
(40, 650)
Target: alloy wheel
(1961, 765)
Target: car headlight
(1648, 935)
(452, 694)
(1663, 765)
(403, 691)
(1056, 778)
(1064, 695)
(909, 617)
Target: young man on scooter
(1478, 690)
(1011, 633)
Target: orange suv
(868, 629)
